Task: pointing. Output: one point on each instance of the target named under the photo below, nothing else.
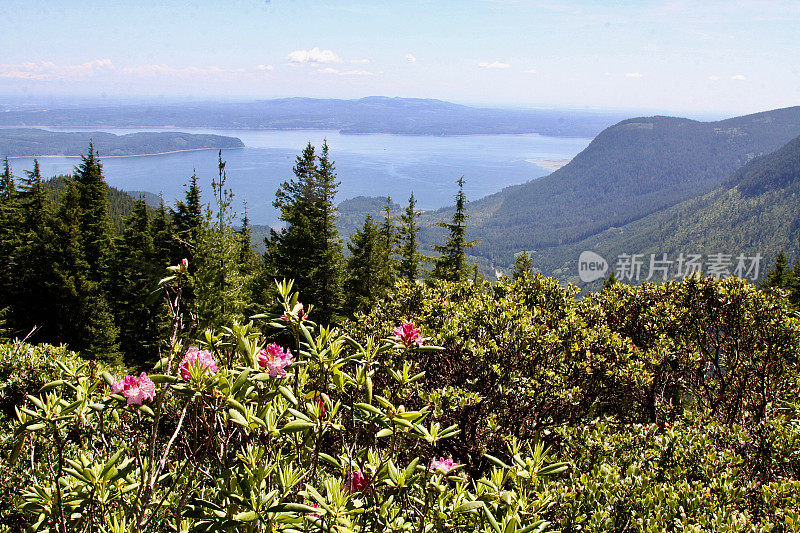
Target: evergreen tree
(83, 317)
(328, 268)
(189, 219)
(167, 249)
(308, 249)
(451, 265)
(365, 268)
(793, 285)
(95, 228)
(388, 245)
(33, 260)
(409, 254)
(136, 273)
(610, 280)
(523, 266)
(9, 235)
(778, 276)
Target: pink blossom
(321, 407)
(356, 481)
(408, 334)
(275, 359)
(197, 357)
(445, 465)
(135, 390)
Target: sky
(718, 57)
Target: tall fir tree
(451, 265)
(95, 226)
(84, 319)
(189, 218)
(388, 247)
(9, 235)
(409, 254)
(33, 261)
(135, 276)
(365, 268)
(308, 249)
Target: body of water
(369, 165)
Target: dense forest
(16, 142)
(81, 256)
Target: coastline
(51, 156)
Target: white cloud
(265, 67)
(714, 78)
(315, 56)
(47, 70)
(530, 71)
(633, 75)
(493, 64)
(739, 77)
(410, 58)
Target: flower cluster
(408, 334)
(445, 465)
(275, 359)
(297, 313)
(197, 357)
(135, 389)
(356, 481)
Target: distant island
(375, 114)
(33, 142)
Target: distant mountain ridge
(31, 142)
(629, 171)
(755, 211)
(376, 114)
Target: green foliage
(408, 267)
(307, 249)
(451, 265)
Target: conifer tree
(409, 254)
(33, 259)
(308, 249)
(451, 265)
(95, 227)
(84, 319)
(523, 266)
(9, 235)
(365, 267)
(166, 247)
(136, 274)
(189, 218)
(778, 276)
(388, 246)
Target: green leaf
(296, 425)
(468, 506)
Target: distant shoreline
(52, 156)
(552, 164)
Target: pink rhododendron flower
(356, 481)
(445, 465)
(135, 390)
(408, 334)
(297, 313)
(275, 359)
(197, 357)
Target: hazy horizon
(677, 57)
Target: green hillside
(755, 211)
(629, 171)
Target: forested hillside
(38, 142)
(629, 171)
(755, 211)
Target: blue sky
(709, 56)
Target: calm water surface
(370, 165)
